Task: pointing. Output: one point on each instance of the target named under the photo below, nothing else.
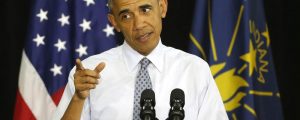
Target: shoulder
(185, 58)
(195, 68)
(112, 54)
(109, 56)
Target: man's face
(140, 21)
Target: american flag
(59, 31)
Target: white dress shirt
(170, 68)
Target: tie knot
(145, 62)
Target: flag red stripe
(57, 95)
(22, 111)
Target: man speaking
(108, 86)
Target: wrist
(77, 98)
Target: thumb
(99, 67)
(79, 65)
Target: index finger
(99, 67)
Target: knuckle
(88, 86)
(92, 86)
(90, 80)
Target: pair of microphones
(147, 104)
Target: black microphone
(176, 102)
(147, 105)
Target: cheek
(157, 24)
(126, 30)
(157, 19)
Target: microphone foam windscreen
(148, 94)
(177, 94)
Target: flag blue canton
(61, 31)
(233, 37)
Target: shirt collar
(132, 57)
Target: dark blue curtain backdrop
(281, 15)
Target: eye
(146, 10)
(125, 16)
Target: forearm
(84, 81)
(74, 109)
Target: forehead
(122, 4)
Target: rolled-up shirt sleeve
(211, 104)
(66, 99)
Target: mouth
(144, 37)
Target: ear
(163, 4)
(112, 20)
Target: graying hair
(109, 5)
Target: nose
(139, 22)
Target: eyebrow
(141, 7)
(145, 6)
(123, 11)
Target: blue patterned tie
(142, 82)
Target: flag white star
(88, 2)
(109, 30)
(56, 70)
(85, 25)
(60, 45)
(64, 20)
(42, 15)
(81, 50)
(39, 40)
